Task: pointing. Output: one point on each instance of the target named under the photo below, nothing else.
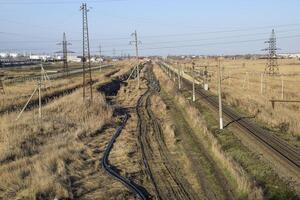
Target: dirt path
(169, 183)
(212, 180)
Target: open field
(246, 89)
(160, 149)
(17, 94)
(236, 154)
(40, 157)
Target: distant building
(290, 55)
(3, 55)
(39, 57)
(74, 58)
(8, 55)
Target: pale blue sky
(164, 26)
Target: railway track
(289, 153)
(53, 76)
(167, 181)
(109, 168)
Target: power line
(198, 45)
(54, 2)
(181, 34)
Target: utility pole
(136, 43)
(65, 52)
(179, 75)
(206, 77)
(44, 77)
(86, 56)
(1, 83)
(272, 64)
(220, 94)
(100, 51)
(193, 74)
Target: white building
(290, 55)
(73, 58)
(3, 55)
(39, 57)
(6, 55)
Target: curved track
(109, 168)
(289, 153)
(168, 182)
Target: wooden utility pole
(136, 43)
(1, 83)
(193, 74)
(38, 89)
(220, 94)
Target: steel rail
(276, 144)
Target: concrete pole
(179, 79)
(193, 74)
(137, 57)
(40, 101)
(220, 94)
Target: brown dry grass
(18, 93)
(34, 156)
(248, 97)
(241, 178)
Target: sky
(164, 27)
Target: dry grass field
(34, 154)
(246, 89)
(17, 94)
(40, 159)
(33, 70)
(251, 174)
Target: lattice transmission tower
(65, 52)
(272, 64)
(86, 56)
(136, 44)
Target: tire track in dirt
(168, 182)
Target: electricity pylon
(272, 64)
(136, 43)
(65, 52)
(86, 56)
